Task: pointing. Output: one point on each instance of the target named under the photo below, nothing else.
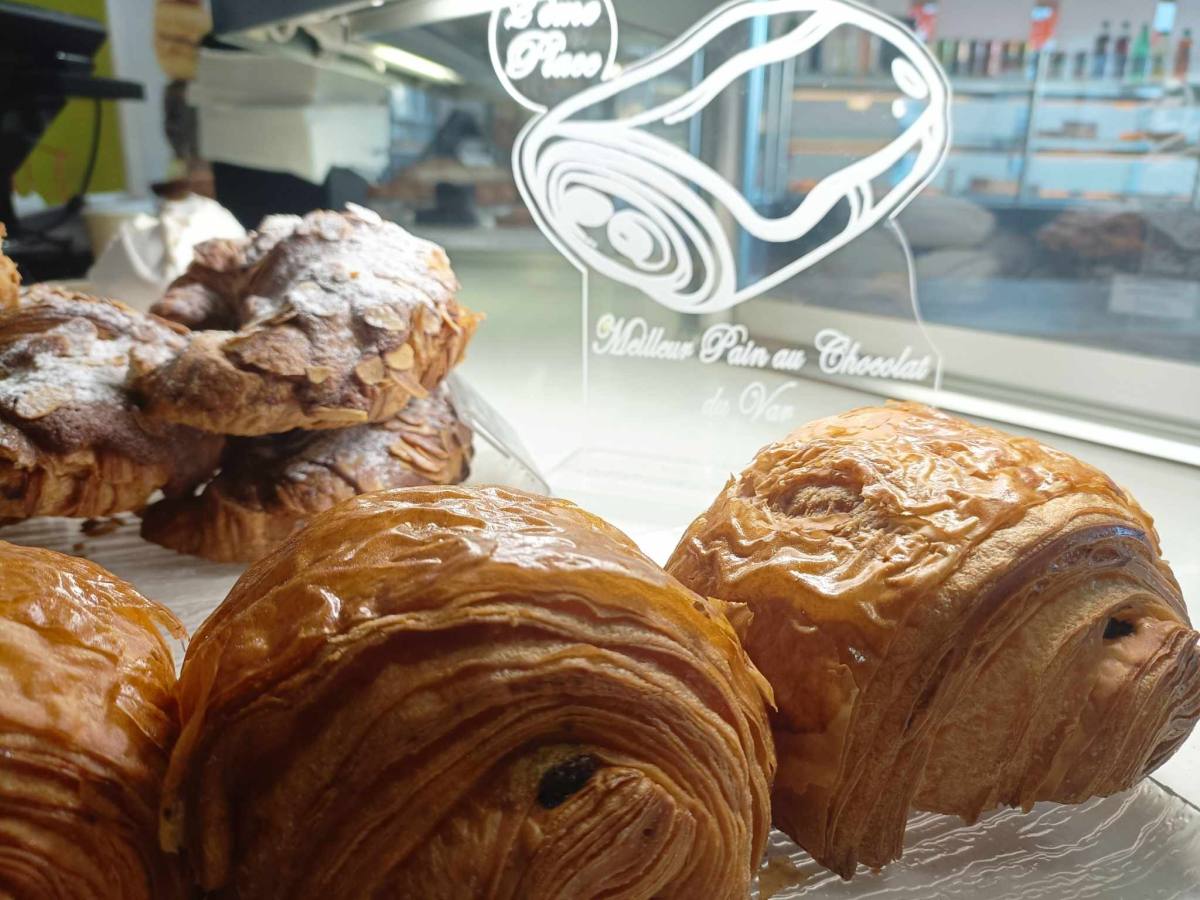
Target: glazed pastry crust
(951, 618)
(10, 278)
(444, 692)
(270, 486)
(87, 719)
(72, 440)
(341, 323)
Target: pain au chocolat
(448, 692)
(952, 619)
(270, 486)
(341, 322)
(87, 719)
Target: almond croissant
(341, 322)
(447, 692)
(951, 618)
(87, 718)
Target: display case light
(415, 65)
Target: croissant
(269, 486)
(10, 278)
(210, 294)
(87, 718)
(73, 441)
(341, 322)
(447, 692)
(951, 618)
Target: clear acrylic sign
(730, 205)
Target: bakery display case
(605, 448)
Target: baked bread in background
(951, 618)
(179, 27)
(87, 719)
(341, 323)
(73, 441)
(269, 486)
(448, 692)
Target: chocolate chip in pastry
(209, 294)
(10, 278)
(952, 619)
(448, 692)
(269, 486)
(342, 323)
(87, 720)
(72, 440)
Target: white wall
(147, 154)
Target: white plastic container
(303, 140)
(240, 78)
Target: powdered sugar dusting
(69, 364)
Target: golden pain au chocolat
(447, 692)
(87, 720)
(951, 618)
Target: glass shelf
(833, 88)
(1140, 844)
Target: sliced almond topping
(432, 320)
(40, 401)
(409, 383)
(386, 318)
(428, 445)
(423, 462)
(399, 450)
(318, 374)
(284, 315)
(340, 415)
(371, 371)
(400, 358)
(450, 320)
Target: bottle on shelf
(1158, 57)
(1033, 62)
(938, 49)
(868, 52)
(1080, 68)
(1139, 56)
(1016, 57)
(1058, 63)
(1121, 51)
(834, 61)
(980, 58)
(962, 59)
(1183, 56)
(1160, 37)
(995, 60)
(1100, 54)
(948, 55)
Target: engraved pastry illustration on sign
(610, 173)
